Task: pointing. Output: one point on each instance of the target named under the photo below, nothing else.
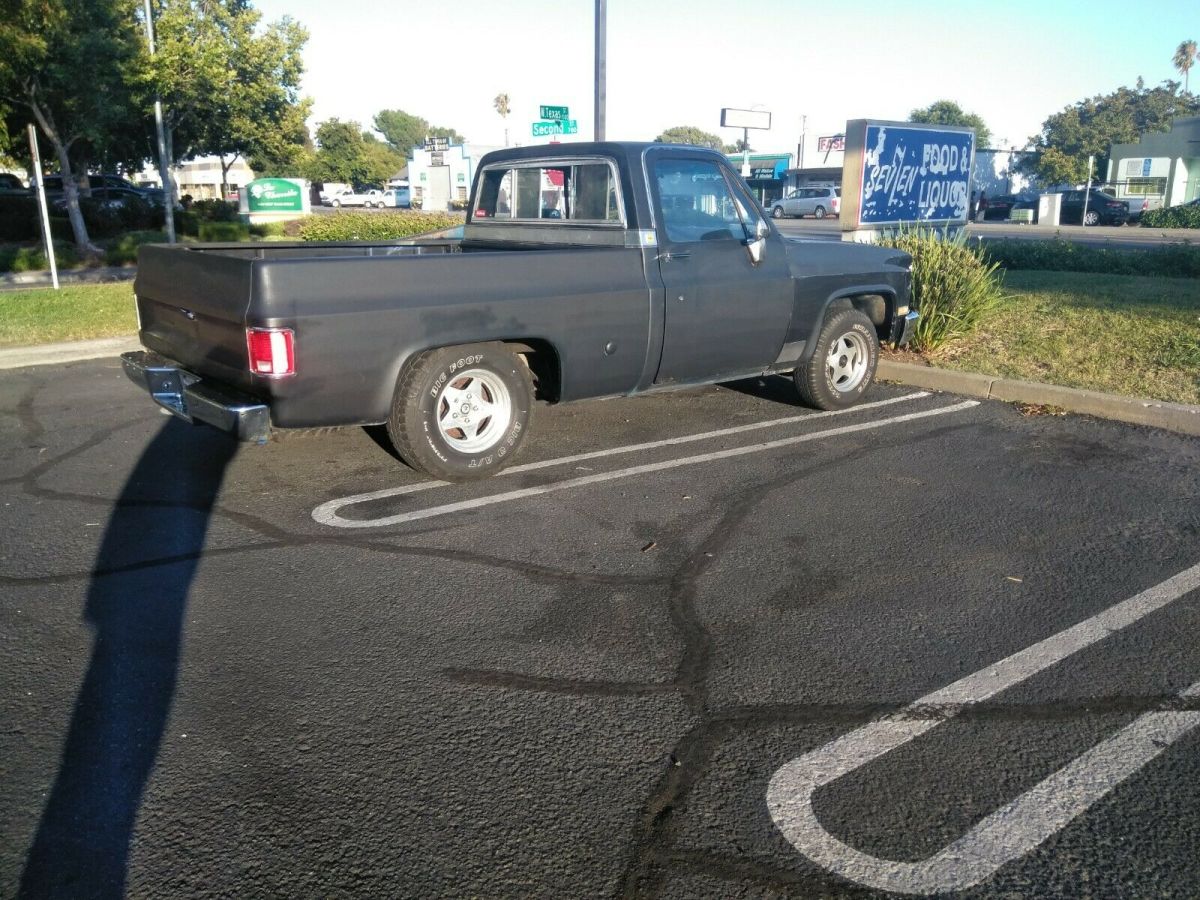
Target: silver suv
(809, 201)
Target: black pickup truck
(583, 270)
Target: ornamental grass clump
(954, 285)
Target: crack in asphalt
(692, 754)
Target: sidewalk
(11, 281)
(1178, 417)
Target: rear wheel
(336, 203)
(1092, 218)
(843, 364)
(461, 413)
(819, 212)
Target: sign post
(36, 165)
(746, 119)
(1087, 192)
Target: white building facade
(441, 179)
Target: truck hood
(808, 257)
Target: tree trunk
(70, 190)
(225, 173)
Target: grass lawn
(74, 313)
(1121, 334)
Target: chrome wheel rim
(846, 363)
(473, 410)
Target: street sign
(562, 126)
(437, 143)
(553, 112)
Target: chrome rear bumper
(190, 398)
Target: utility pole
(40, 187)
(601, 67)
(164, 166)
(803, 132)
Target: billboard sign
(899, 173)
(745, 118)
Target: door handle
(678, 254)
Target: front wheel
(461, 413)
(843, 363)
(777, 212)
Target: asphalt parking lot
(698, 644)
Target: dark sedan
(1102, 209)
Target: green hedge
(1167, 260)
(954, 285)
(1172, 217)
(33, 259)
(364, 226)
(123, 250)
(224, 232)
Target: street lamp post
(164, 168)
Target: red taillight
(272, 351)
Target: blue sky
(677, 62)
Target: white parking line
(327, 513)
(1015, 829)
(326, 516)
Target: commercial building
(199, 178)
(1162, 168)
(767, 171)
(441, 179)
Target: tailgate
(192, 308)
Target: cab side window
(696, 202)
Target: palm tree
(1184, 59)
(503, 107)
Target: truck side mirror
(757, 244)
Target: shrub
(33, 259)
(214, 211)
(362, 226)
(224, 232)
(1186, 216)
(269, 229)
(1169, 260)
(954, 286)
(123, 250)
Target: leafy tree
(229, 87)
(1091, 126)
(503, 107)
(947, 112)
(690, 134)
(1184, 59)
(403, 131)
(740, 146)
(348, 154)
(70, 66)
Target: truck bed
(360, 310)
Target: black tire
(335, 203)
(824, 387)
(819, 212)
(417, 425)
(777, 212)
(1092, 218)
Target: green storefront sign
(274, 195)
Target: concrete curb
(74, 351)
(1138, 411)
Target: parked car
(450, 340)
(356, 197)
(1102, 208)
(105, 186)
(815, 201)
(397, 197)
(11, 185)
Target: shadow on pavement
(135, 603)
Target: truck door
(725, 314)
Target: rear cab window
(580, 191)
